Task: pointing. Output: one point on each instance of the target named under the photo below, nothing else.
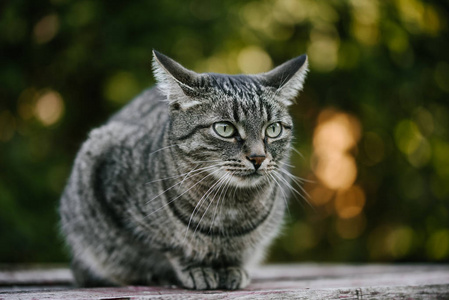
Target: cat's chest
(237, 216)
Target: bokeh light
(438, 245)
(335, 138)
(46, 29)
(335, 135)
(350, 202)
(336, 170)
(323, 49)
(253, 60)
(120, 87)
(49, 107)
(351, 228)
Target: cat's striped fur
(158, 196)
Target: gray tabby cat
(187, 184)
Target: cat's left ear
(287, 79)
(178, 84)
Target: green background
(374, 111)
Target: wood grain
(296, 281)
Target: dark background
(372, 122)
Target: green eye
(274, 130)
(224, 129)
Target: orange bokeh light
(49, 108)
(336, 170)
(349, 203)
(336, 136)
(336, 132)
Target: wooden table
(294, 281)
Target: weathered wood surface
(298, 281)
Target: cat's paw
(200, 278)
(233, 278)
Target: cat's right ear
(287, 79)
(177, 83)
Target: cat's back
(147, 109)
(112, 156)
(124, 140)
(139, 122)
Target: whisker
(270, 169)
(236, 165)
(236, 169)
(181, 193)
(283, 193)
(227, 185)
(222, 184)
(206, 161)
(296, 178)
(287, 164)
(163, 148)
(200, 201)
(279, 176)
(197, 171)
(297, 152)
(205, 169)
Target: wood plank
(35, 275)
(298, 281)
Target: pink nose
(257, 160)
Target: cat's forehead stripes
(241, 86)
(245, 96)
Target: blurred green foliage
(378, 87)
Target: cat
(187, 184)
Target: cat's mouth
(245, 177)
(249, 178)
(250, 174)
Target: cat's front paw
(233, 278)
(206, 278)
(200, 278)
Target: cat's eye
(224, 129)
(274, 130)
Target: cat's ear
(287, 79)
(178, 84)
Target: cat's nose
(257, 160)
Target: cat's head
(235, 127)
